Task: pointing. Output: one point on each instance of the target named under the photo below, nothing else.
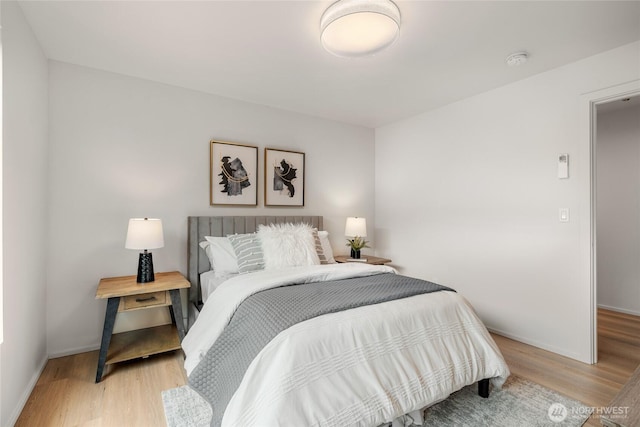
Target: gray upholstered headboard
(220, 226)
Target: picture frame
(233, 174)
(284, 172)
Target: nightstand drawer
(133, 302)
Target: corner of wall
(24, 214)
(24, 396)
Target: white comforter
(364, 366)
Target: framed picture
(283, 178)
(233, 174)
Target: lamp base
(355, 253)
(145, 268)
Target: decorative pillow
(248, 251)
(221, 255)
(288, 245)
(319, 251)
(326, 246)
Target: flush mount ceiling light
(517, 58)
(355, 28)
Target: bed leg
(483, 388)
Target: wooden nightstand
(125, 294)
(370, 259)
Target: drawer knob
(145, 299)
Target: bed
(408, 346)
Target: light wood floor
(129, 394)
(593, 385)
(66, 394)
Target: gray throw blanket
(259, 319)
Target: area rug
(520, 403)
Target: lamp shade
(144, 233)
(355, 28)
(356, 227)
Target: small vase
(355, 253)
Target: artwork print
(233, 174)
(284, 175)
(233, 177)
(284, 178)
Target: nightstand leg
(107, 331)
(176, 303)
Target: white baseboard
(619, 310)
(539, 345)
(74, 351)
(27, 392)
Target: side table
(125, 294)
(366, 259)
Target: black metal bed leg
(483, 388)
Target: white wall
(1, 239)
(25, 196)
(122, 147)
(467, 195)
(618, 209)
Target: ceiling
(269, 52)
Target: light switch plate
(563, 166)
(564, 214)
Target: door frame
(588, 119)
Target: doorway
(615, 208)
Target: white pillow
(221, 255)
(326, 246)
(287, 245)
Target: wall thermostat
(563, 166)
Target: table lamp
(356, 228)
(145, 234)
